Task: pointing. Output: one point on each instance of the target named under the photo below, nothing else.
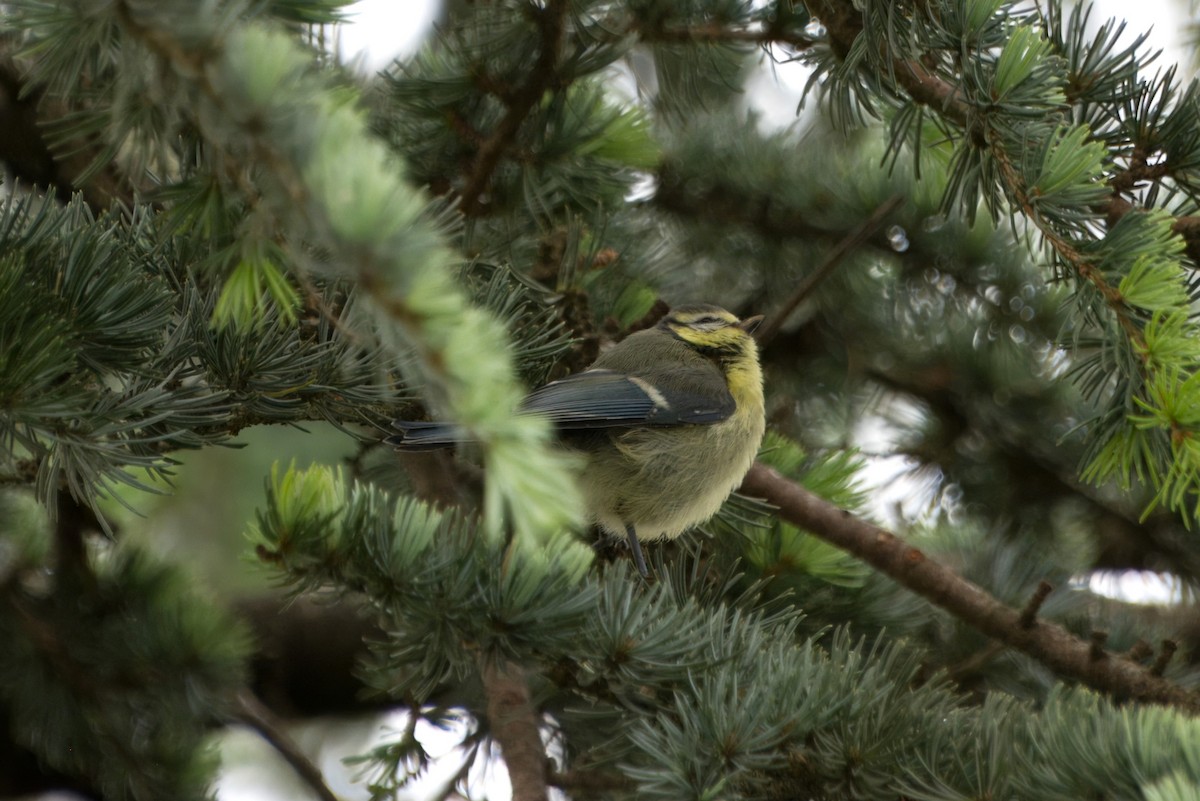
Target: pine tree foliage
(283, 242)
(1062, 130)
(114, 365)
(255, 83)
(116, 676)
(695, 694)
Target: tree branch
(307, 654)
(1049, 643)
(542, 76)
(72, 523)
(252, 712)
(514, 722)
(717, 33)
(926, 87)
(24, 115)
(844, 24)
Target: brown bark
(1049, 643)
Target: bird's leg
(636, 549)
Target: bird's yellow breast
(745, 380)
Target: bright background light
(378, 31)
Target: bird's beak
(750, 323)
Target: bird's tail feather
(425, 436)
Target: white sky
(380, 30)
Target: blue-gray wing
(597, 399)
(425, 436)
(607, 398)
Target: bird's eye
(707, 320)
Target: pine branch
(251, 711)
(399, 258)
(1070, 254)
(24, 116)
(237, 419)
(514, 723)
(844, 24)
(1076, 154)
(1049, 643)
(719, 33)
(542, 76)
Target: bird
(668, 422)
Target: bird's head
(711, 328)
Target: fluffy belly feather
(646, 481)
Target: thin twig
(848, 244)
(460, 775)
(976, 661)
(252, 712)
(1047, 642)
(1164, 657)
(1029, 613)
